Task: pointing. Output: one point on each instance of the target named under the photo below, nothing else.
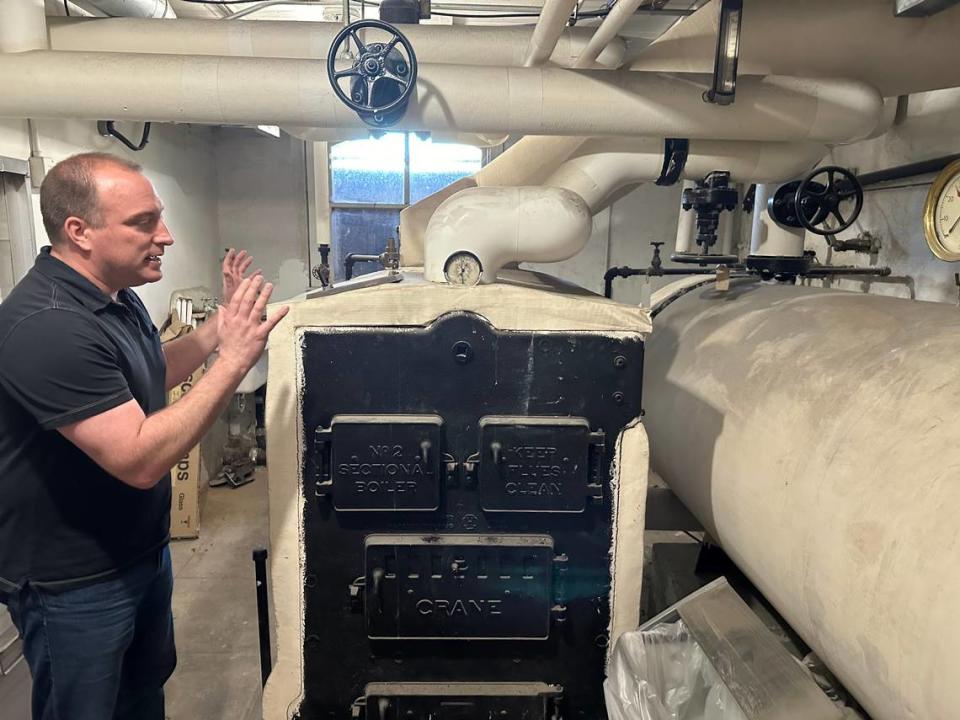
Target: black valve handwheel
(374, 62)
(823, 194)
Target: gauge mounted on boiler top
(941, 214)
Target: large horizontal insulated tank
(815, 434)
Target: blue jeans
(100, 651)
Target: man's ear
(75, 232)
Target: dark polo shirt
(69, 352)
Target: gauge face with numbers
(463, 269)
(941, 214)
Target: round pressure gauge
(941, 214)
(463, 268)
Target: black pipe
(904, 171)
(823, 270)
(352, 258)
(263, 616)
(624, 272)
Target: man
(86, 440)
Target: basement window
(372, 180)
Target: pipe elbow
(500, 225)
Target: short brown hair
(70, 190)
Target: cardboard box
(185, 505)
(185, 476)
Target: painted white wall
(180, 162)
(262, 205)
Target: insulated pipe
(622, 11)
(686, 226)
(767, 238)
(725, 230)
(132, 8)
(529, 161)
(813, 433)
(335, 135)
(22, 26)
(602, 166)
(546, 101)
(550, 25)
(500, 225)
(457, 44)
(860, 39)
(594, 176)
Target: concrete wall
(262, 204)
(180, 162)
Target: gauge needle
(954, 226)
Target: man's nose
(163, 236)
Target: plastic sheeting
(663, 674)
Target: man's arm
(138, 449)
(187, 353)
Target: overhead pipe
(622, 11)
(131, 8)
(23, 26)
(529, 161)
(335, 135)
(553, 19)
(186, 9)
(457, 44)
(820, 38)
(535, 159)
(600, 167)
(546, 101)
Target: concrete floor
(215, 608)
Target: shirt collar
(84, 291)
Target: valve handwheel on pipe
(828, 192)
(382, 78)
(816, 200)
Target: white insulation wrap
(22, 26)
(861, 39)
(503, 225)
(814, 433)
(767, 238)
(602, 166)
(468, 45)
(545, 100)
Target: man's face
(127, 249)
